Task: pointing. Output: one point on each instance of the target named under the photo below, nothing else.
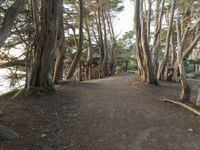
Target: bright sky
(124, 20)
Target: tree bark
(156, 43)
(113, 44)
(137, 27)
(9, 18)
(45, 47)
(185, 91)
(186, 54)
(198, 96)
(142, 46)
(149, 20)
(60, 48)
(89, 52)
(163, 63)
(80, 43)
(100, 36)
(104, 64)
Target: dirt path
(116, 113)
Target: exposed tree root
(189, 108)
(20, 91)
(38, 89)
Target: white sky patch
(124, 20)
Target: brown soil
(116, 113)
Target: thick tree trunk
(60, 48)
(137, 28)
(142, 46)
(163, 63)
(76, 60)
(45, 47)
(150, 77)
(29, 54)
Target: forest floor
(115, 113)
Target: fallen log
(189, 108)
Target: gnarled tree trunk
(45, 47)
(142, 46)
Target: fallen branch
(189, 108)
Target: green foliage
(126, 59)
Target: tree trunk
(60, 48)
(186, 54)
(185, 91)
(104, 64)
(45, 47)
(198, 97)
(163, 63)
(172, 51)
(142, 46)
(80, 43)
(89, 52)
(149, 21)
(9, 18)
(100, 42)
(156, 43)
(137, 28)
(113, 44)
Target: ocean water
(5, 83)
